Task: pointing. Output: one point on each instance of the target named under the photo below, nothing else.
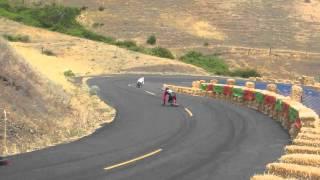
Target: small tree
(152, 40)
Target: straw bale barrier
(294, 171)
(301, 160)
(296, 93)
(306, 130)
(296, 149)
(307, 136)
(303, 142)
(269, 177)
(250, 84)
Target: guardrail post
(4, 141)
(5, 131)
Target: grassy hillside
(41, 113)
(63, 19)
(240, 31)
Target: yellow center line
(133, 160)
(153, 94)
(189, 112)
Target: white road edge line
(133, 160)
(153, 94)
(188, 111)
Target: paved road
(150, 142)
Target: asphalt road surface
(201, 139)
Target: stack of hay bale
(302, 159)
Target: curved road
(211, 139)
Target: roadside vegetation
(17, 38)
(216, 65)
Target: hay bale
(309, 130)
(214, 81)
(308, 115)
(231, 81)
(294, 131)
(272, 88)
(302, 159)
(196, 84)
(294, 171)
(260, 79)
(267, 177)
(287, 81)
(305, 142)
(294, 149)
(296, 93)
(252, 78)
(297, 82)
(308, 80)
(250, 84)
(307, 136)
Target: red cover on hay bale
(227, 90)
(248, 95)
(210, 87)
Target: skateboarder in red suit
(172, 98)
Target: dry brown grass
(294, 171)
(42, 113)
(301, 159)
(232, 28)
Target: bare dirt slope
(182, 25)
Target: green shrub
(206, 44)
(130, 45)
(17, 38)
(152, 40)
(126, 44)
(211, 63)
(161, 52)
(68, 73)
(245, 73)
